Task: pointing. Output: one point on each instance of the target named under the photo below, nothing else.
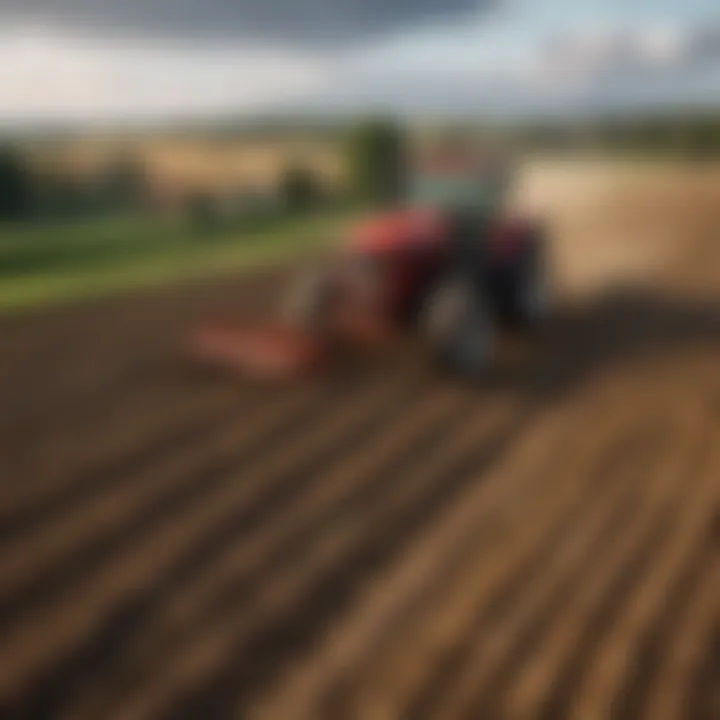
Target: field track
(380, 544)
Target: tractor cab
(477, 190)
(450, 211)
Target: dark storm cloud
(295, 21)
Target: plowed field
(381, 543)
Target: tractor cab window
(475, 192)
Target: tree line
(689, 136)
(376, 154)
(374, 151)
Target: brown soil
(381, 543)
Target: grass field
(51, 264)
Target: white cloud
(661, 45)
(47, 75)
(605, 56)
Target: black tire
(457, 328)
(531, 291)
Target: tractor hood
(396, 230)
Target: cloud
(577, 72)
(301, 22)
(128, 58)
(650, 66)
(703, 45)
(439, 70)
(594, 53)
(652, 48)
(51, 77)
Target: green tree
(299, 188)
(123, 186)
(15, 186)
(377, 161)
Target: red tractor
(448, 264)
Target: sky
(144, 59)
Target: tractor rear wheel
(531, 297)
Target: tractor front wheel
(457, 327)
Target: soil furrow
(146, 555)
